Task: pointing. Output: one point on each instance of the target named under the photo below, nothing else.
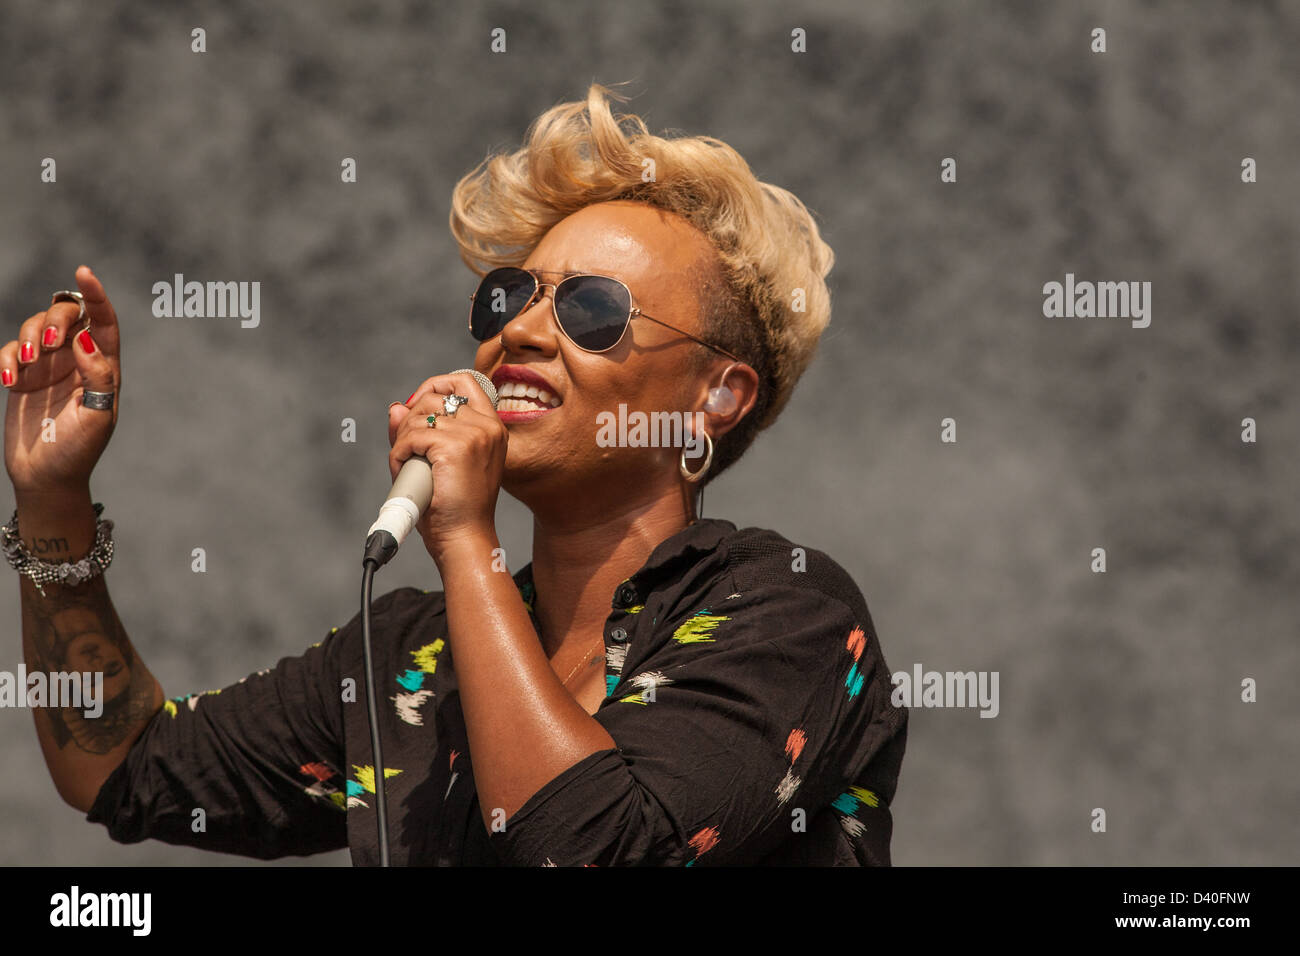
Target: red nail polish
(50, 334)
(87, 343)
(25, 353)
(7, 377)
(408, 401)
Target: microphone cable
(372, 708)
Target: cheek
(485, 356)
(652, 392)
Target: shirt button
(626, 595)
(618, 635)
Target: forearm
(524, 727)
(76, 629)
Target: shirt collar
(683, 548)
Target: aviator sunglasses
(592, 311)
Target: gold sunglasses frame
(633, 312)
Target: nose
(532, 327)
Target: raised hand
(46, 370)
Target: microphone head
(484, 382)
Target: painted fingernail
(26, 353)
(87, 343)
(408, 401)
(51, 333)
(7, 377)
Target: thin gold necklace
(565, 683)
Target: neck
(578, 564)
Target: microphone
(410, 495)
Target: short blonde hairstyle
(765, 296)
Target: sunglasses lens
(500, 297)
(593, 311)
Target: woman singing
(654, 688)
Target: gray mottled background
(1119, 690)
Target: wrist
(47, 559)
(56, 525)
(48, 498)
(465, 548)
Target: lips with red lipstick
(523, 394)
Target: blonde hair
(770, 254)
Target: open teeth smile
(518, 397)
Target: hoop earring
(708, 460)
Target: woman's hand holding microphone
(467, 450)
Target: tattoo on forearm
(77, 629)
(49, 546)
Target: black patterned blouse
(746, 693)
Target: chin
(522, 477)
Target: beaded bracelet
(66, 572)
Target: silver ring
(77, 297)
(453, 402)
(100, 400)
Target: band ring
(68, 296)
(452, 402)
(100, 400)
